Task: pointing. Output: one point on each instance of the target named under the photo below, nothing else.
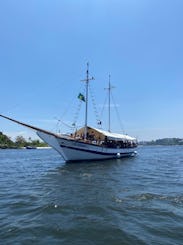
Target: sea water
(135, 200)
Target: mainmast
(109, 103)
(86, 99)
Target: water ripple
(128, 201)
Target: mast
(86, 99)
(109, 103)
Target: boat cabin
(105, 138)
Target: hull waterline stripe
(96, 152)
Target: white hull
(72, 150)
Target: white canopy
(101, 134)
(115, 136)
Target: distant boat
(29, 147)
(87, 143)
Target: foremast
(86, 99)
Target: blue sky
(44, 48)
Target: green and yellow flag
(81, 97)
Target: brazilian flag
(81, 97)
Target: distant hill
(164, 141)
(5, 141)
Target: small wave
(178, 199)
(147, 196)
(86, 175)
(118, 200)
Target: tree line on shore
(20, 141)
(164, 141)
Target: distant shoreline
(157, 145)
(24, 148)
(163, 142)
(20, 142)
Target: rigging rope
(94, 106)
(102, 111)
(66, 111)
(77, 114)
(78, 109)
(69, 105)
(117, 113)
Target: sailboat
(87, 143)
